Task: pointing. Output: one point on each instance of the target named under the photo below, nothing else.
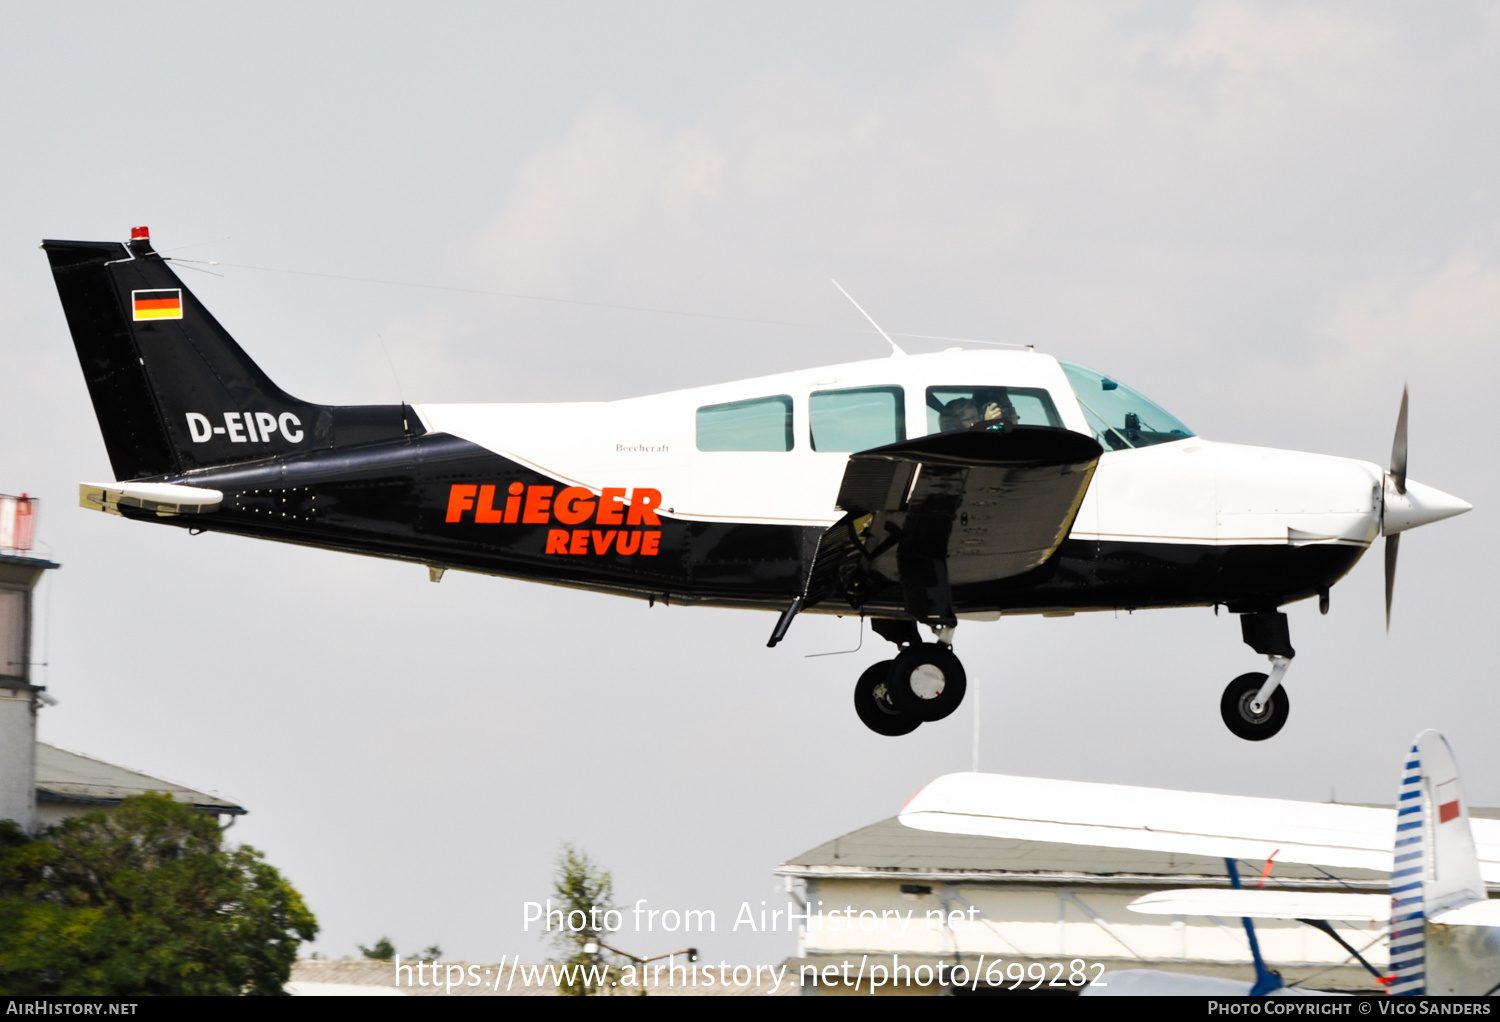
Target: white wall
(18, 756)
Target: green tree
(144, 900)
(383, 951)
(580, 885)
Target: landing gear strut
(1255, 706)
(925, 682)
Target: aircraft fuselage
(617, 496)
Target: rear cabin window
(761, 424)
(857, 419)
(950, 408)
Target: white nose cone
(1417, 506)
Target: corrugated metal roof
(889, 849)
(63, 776)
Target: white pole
(976, 725)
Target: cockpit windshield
(1120, 417)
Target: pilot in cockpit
(960, 413)
(964, 413)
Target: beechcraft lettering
(918, 492)
(245, 427)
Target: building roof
(63, 776)
(19, 569)
(889, 849)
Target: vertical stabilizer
(172, 390)
(1452, 877)
(1436, 868)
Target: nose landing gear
(1255, 706)
(1248, 715)
(925, 682)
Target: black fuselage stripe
(392, 499)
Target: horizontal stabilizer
(163, 498)
(1481, 912)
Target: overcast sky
(1267, 217)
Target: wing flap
(951, 509)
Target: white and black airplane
(920, 490)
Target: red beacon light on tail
(140, 234)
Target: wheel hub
(928, 681)
(1248, 711)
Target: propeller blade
(1398, 450)
(1392, 547)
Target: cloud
(614, 173)
(1450, 318)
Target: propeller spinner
(1405, 505)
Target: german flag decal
(166, 304)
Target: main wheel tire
(873, 703)
(1235, 708)
(927, 681)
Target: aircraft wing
(951, 509)
(1156, 819)
(1263, 904)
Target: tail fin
(172, 390)
(1436, 870)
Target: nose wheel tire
(927, 681)
(873, 703)
(1238, 716)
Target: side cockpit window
(760, 424)
(856, 419)
(950, 408)
(1120, 417)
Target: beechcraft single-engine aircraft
(915, 491)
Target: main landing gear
(1255, 706)
(925, 682)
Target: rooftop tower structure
(19, 698)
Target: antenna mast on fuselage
(895, 348)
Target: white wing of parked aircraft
(1333, 906)
(1186, 822)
